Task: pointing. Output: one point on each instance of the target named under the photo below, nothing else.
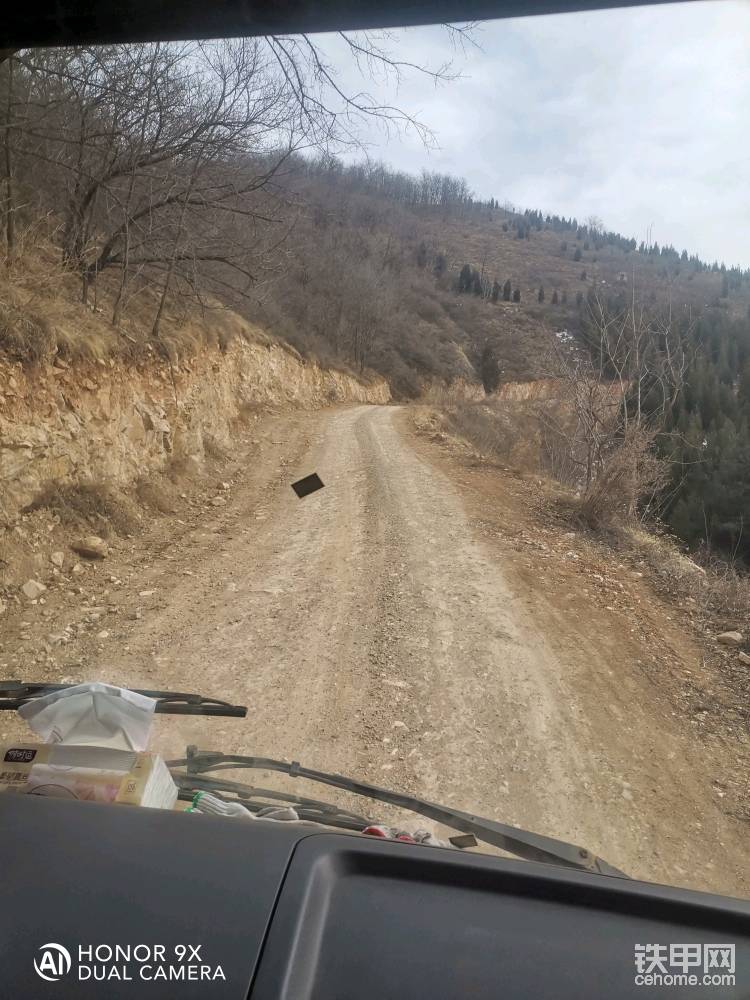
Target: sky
(640, 116)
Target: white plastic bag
(92, 714)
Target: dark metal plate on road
(308, 485)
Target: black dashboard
(121, 902)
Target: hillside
(147, 197)
(358, 239)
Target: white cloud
(638, 115)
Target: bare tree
(163, 159)
(9, 200)
(613, 404)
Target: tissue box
(95, 774)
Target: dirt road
(372, 630)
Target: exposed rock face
(114, 421)
(438, 392)
(543, 388)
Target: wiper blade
(13, 694)
(522, 843)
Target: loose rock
(57, 559)
(91, 547)
(744, 658)
(33, 589)
(730, 638)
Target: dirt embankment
(114, 422)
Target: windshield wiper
(13, 694)
(522, 843)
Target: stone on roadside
(57, 559)
(744, 658)
(730, 638)
(33, 589)
(91, 547)
(77, 568)
(218, 502)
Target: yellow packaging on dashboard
(94, 774)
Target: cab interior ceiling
(37, 23)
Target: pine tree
(555, 299)
(495, 291)
(583, 275)
(465, 279)
(577, 255)
(507, 291)
(517, 295)
(490, 369)
(540, 294)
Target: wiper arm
(256, 799)
(13, 694)
(522, 843)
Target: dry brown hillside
(541, 261)
(373, 275)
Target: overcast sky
(640, 116)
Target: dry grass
(726, 595)
(182, 468)
(94, 506)
(484, 428)
(214, 450)
(157, 493)
(24, 335)
(42, 316)
(505, 432)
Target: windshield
(396, 386)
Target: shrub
(25, 336)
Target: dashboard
(122, 902)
